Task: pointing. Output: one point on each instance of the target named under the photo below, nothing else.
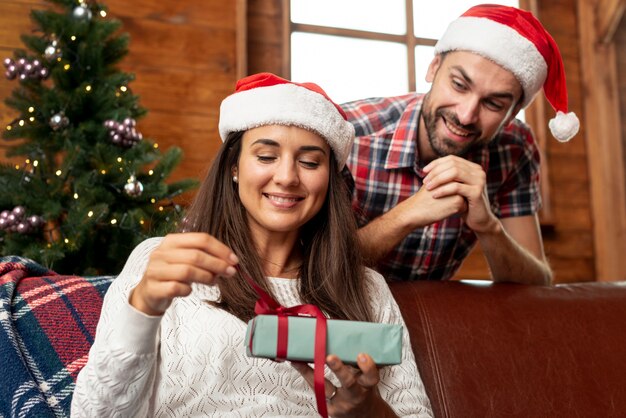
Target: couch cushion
(507, 350)
(47, 325)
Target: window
(364, 48)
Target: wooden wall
(184, 55)
(620, 48)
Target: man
(435, 173)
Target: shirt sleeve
(518, 160)
(118, 379)
(400, 385)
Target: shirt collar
(403, 148)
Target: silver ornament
(133, 187)
(59, 121)
(82, 12)
(52, 51)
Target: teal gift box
(346, 339)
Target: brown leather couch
(507, 350)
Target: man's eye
(495, 106)
(458, 85)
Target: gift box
(346, 339)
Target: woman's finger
(370, 375)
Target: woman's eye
(265, 158)
(309, 164)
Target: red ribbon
(266, 305)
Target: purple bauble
(35, 221)
(116, 139)
(110, 124)
(4, 214)
(3, 223)
(11, 219)
(23, 228)
(19, 211)
(7, 62)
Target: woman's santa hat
(266, 99)
(517, 41)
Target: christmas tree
(87, 187)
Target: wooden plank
(206, 13)
(15, 17)
(606, 166)
(608, 14)
(177, 90)
(162, 45)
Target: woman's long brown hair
(332, 274)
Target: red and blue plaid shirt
(386, 170)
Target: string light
(156, 145)
(35, 163)
(21, 122)
(31, 109)
(27, 161)
(103, 13)
(58, 173)
(73, 38)
(123, 89)
(67, 241)
(119, 159)
(32, 119)
(9, 127)
(88, 88)
(103, 172)
(161, 208)
(153, 200)
(75, 195)
(90, 214)
(141, 221)
(151, 172)
(17, 167)
(66, 67)
(113, 221)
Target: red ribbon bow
(267, 305)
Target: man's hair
(332, 275)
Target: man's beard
(443, 146)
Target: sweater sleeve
(400, 385)
(118, 379)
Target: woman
(170, 337)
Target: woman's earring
(236, 179)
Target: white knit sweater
(192, 361)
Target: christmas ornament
(25, 69)
(123, 134)
(16, 221)
(82, 12)
(59, 121)
(52, 51)
(133, 187)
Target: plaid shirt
(386, 170)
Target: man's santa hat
(516, 40)
(266, 99)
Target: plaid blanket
(47, 325)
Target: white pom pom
(564, 126)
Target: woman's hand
(358, 394)
(180, 260)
